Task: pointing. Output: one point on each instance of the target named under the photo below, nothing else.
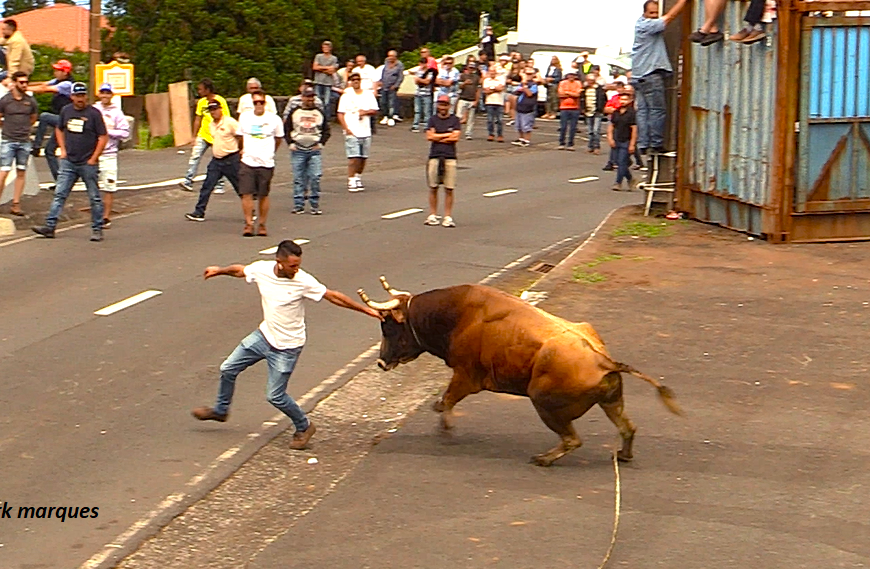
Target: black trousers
(754, 12)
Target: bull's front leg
(461, 386)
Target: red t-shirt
(613, 103)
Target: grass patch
(603, 259)
(642, 229)
(587, 277)
(640, 258)
(156, 143)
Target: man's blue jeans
(622, 160)
(651, 110)
(199, 147)
(422, 110)
(389, 102)
(494, 120)
(323, 92)
(218, 169)
(307, 169)
(48, 121)
(251, 350)
(593, 126)
(568, 126)
(68, 175)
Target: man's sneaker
(511, 122)
(500, 139)
(384, 120)
(415, 129)
(391, 122)
(490, 138)
(517, 142)
(468, 137)
(560, 147)
(301, 438)
(431, 220)
(195, 216)
(608, 168)
(359, 184)
(316, 211)
(299, 210)
(448, 222)
(616, 187)
(208, 414)
(219, 191)
(397, 118)
(697, 36)
(97, 235)
(741, 35)
(570, 149)
(107, 223)
(754, 36)
(711, 38)
(351, 184)
(185, 185)
(46, 232)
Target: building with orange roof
(60, 25)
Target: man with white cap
(118, 130)
(246, 101)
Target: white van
(610, 67)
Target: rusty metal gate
(834, 127)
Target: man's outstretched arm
(344, 301)
(237, 271)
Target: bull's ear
(398, 315)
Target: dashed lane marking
(500, 193)
(127, 302)
(402, 213)
(581, 180)
(273, 250)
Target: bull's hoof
(446, 423)
(623, 456)
(438, 406)
(541, 460)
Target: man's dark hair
(648, 2)
(288, 248)
(12, 24)
(18, 75)
(208, 85)
(352, 75)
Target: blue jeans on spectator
(568, 126)
(494, 120)
(251, 350)
(422, 110)
(622, 161)
(13, 151)
(651, 111)
(389, 102)
(199, 148)
(307, 169)
(48, 121)
(593, 128)
(324, 92)
(218, 168)
(68, 175)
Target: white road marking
(127, 303)
(173, 182)
(581, 180)
(273, 250)
(121, 541)
(402, 213)
(500, 193)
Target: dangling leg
(614, 408)
(461, 386)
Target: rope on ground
(616, 502)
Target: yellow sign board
(118, 75)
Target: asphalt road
(95, 409)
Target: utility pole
(95, 46)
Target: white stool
(654, 185)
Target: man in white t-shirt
(369, 76)
(355, 109)
(280, 337)
(261, 132)
(246, 101)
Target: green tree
(12, 7)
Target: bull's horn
(391, 290)
(390, 305)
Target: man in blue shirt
(650, 66)
(527, 104)
(61, 89)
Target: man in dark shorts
(261, 132)
(443, 132)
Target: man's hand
(611, 142)
(374, 313)
(631, 149)
(93, 161)
(293, 147)
(63, 154)
(210, 272)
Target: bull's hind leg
(558, 417)
(614, 407)
(461, 386)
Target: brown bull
(496, 342)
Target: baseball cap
(106, 87)
(443, 99)
(79, 88)
(308, 92)
(212, 105)
(63, 65)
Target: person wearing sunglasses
(18, 111)
(261, 132)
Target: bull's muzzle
(385, 366)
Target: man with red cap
(61, 88)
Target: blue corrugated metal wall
(839, 74)
(731, 100)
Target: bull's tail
(666, 394)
